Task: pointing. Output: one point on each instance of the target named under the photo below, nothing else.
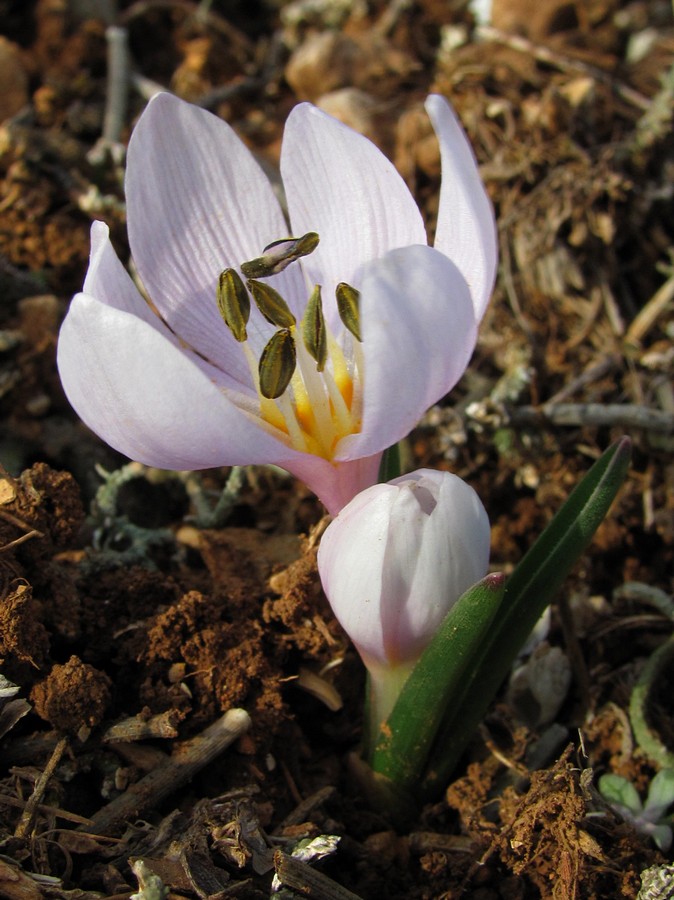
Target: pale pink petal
(401, 636)
(419, 331)
(198, 203)
(108, 281)
(466, 230)
(149, 399)
(340, 185)
(448, 553)
(351, 559)
(396, 559)
(335, 484)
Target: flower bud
(395, 560)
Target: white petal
(396, 559)
(108, 280)
(351, 559)
(340, 185)
(137, 390)
(403, 627)
(466, 230)
(82, 366)
(419, 331)
(335, 484)
(453, 554)
(198, 203)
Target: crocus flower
(392, 564)
(356, 328)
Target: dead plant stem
(188, 759)
(563, 63)
(27, 820)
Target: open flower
(394, 562)
(356, 325)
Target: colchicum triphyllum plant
(314, 352)
(316, 345)
(400, 566)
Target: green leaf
(529, 590)
(660, 794)
(403, 743)
(662, 836)
(618, 791)
(647, 736)
(547, 564)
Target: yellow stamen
(294, 431)
(318, 408)
(307, 389)
(314, 383)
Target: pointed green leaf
(403, 743)
(549, 561)
(646, 732)
(529, 590)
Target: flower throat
(306, 386)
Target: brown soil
(131, 624)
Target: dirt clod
(73, 696)
(22, 636)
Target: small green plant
(650, 817)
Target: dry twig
(27, 820)
(186, 760)
(597, 415)
(563, 63)
(300, 877)
(651, 312)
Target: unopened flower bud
(395, 560)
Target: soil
(134, 615)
